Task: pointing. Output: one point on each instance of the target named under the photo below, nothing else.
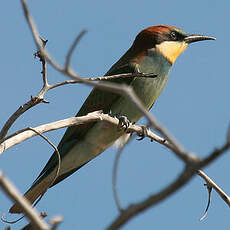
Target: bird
(154, 51)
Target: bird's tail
(32, 194)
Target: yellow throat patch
(171, 49)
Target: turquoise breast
(147, 89)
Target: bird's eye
(173, 35)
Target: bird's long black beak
(190, 38)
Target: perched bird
(154, 51)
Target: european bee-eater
(154, 51)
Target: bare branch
(58, 167)
(25, 134)
(55, 221)
(30, 226)
(105, 78)
(216, 153)
(43, 61)
(209, 188)
(212, 184)
(46, 87)
(29, 104)
(16, 197)
(114, 178)
(73, 46)
(34, 31)
(136, 209)
(33, 101)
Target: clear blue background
(194, 107)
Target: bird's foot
(144, 133)
(123, 122)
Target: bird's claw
(144, 133)
(110, 113)
(123, 123)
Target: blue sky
(194, 107)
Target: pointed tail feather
(32, 194)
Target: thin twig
(43, 61)
(33, 101)
(114, 181)
(29, 104)
(212, 184)
(55, 221)
(114, 176)
(105, 78)
(175, 146)
(58, 167)
(30, 226)
(25, 134)
(215, 154)
(16, 197)
(209, 188)
(46, 87)
(73, 46)
(137, 208)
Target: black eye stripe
(173, 35)
(176, 36)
